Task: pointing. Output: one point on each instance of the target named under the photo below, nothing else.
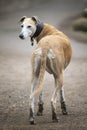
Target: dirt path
(14, 96)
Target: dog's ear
(35, 19)
(22, 19)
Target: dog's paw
(32, 121)
(64, 112)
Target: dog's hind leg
(58, 85)
(62, 101)
(53, 102)
(32, 116)
(34, 82)
(40, 105)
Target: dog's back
(58, 42)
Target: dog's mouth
(21, 36)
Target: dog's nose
(21, 36)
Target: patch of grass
(84, 13)
(80, 24)
(85, 32)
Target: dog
(52, 54)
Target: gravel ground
(15, 79)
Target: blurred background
(69, 16)
(55, 12)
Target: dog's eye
(22, 26)
(29, 26)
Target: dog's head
(28, 26)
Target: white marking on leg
(62, 97)
(55, 94)
(32, 104)
(51, 56)
(40, 98)
(34, 83)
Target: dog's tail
(42, 72)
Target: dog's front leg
(32, 116)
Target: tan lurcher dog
(53, 54)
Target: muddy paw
(64, 112)
(32, 121)
(54, 117)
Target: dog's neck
(44, 30)
(39, 29)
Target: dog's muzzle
(21, 36)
